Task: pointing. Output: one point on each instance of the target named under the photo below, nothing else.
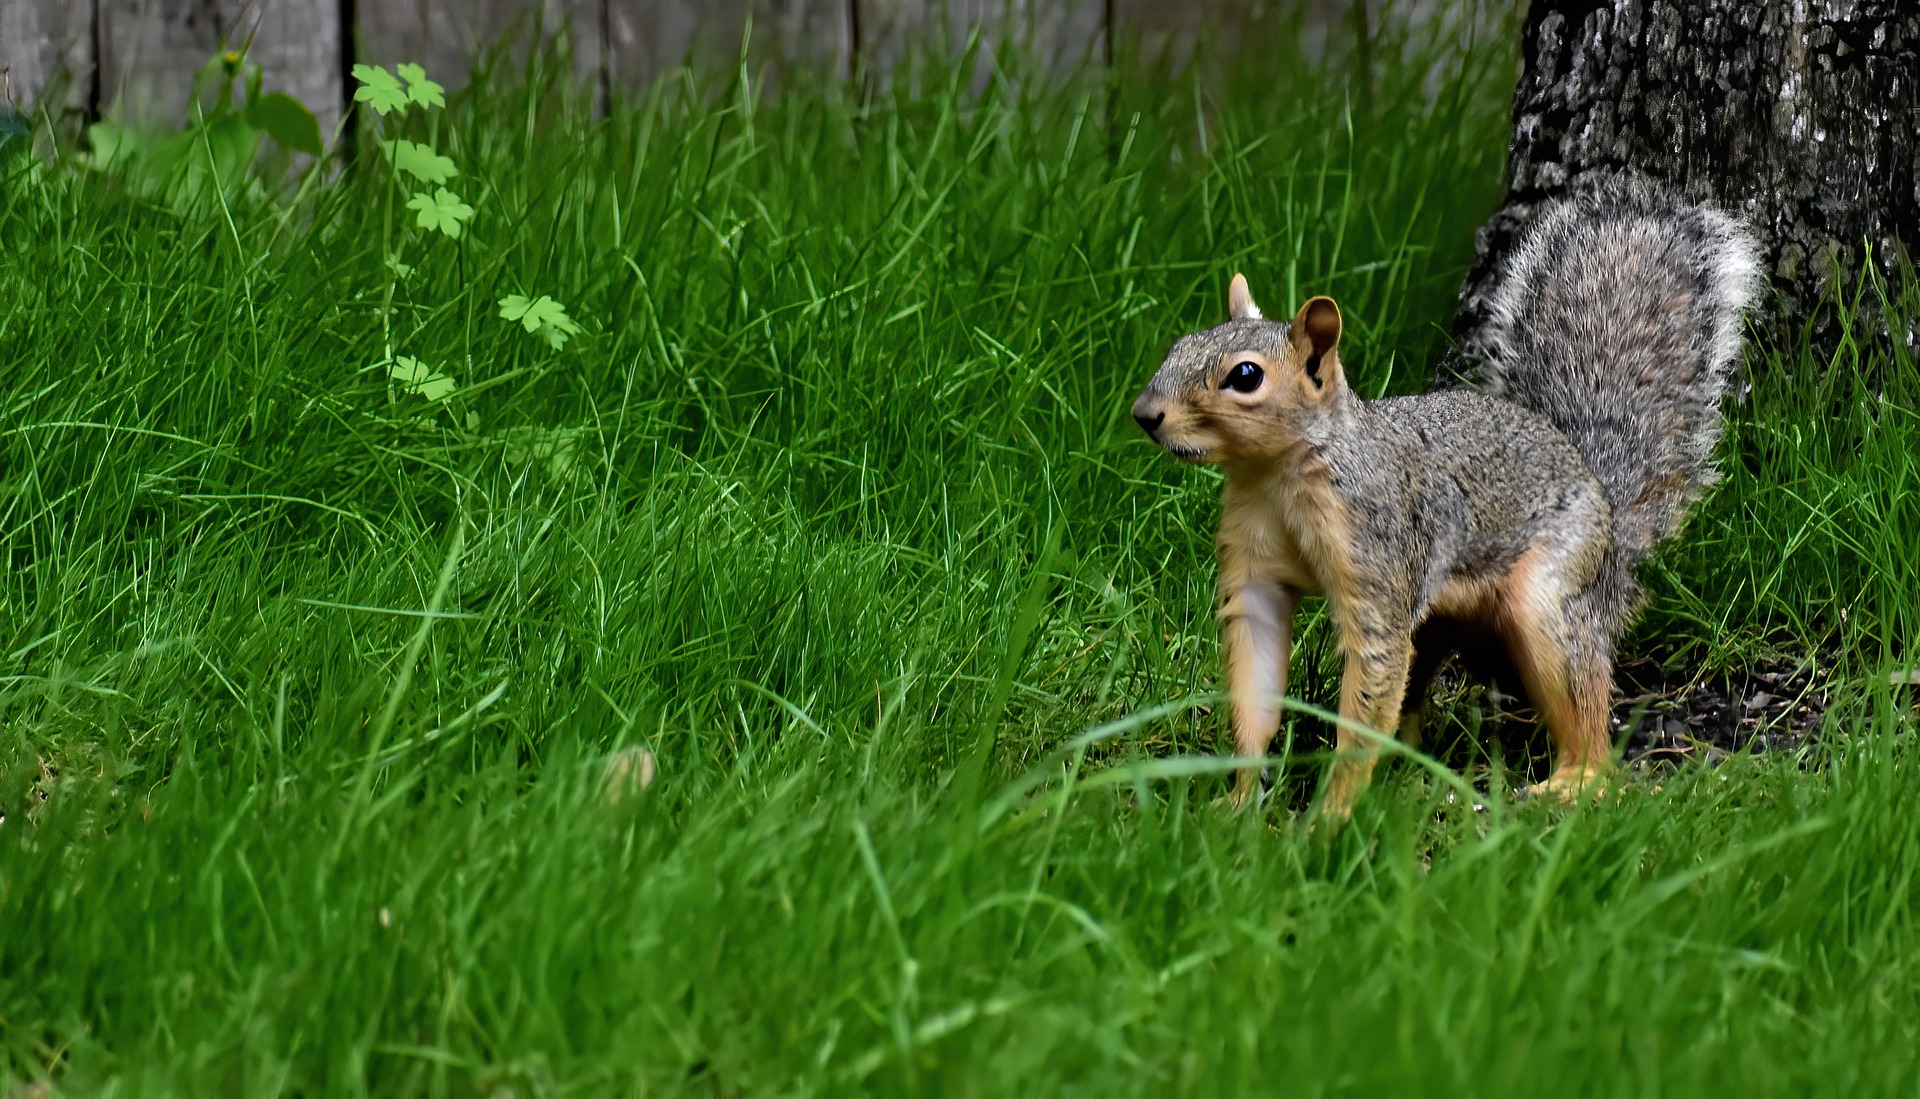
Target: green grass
(309, 685)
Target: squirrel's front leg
(1258, 616)
(1379, 652)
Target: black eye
(1243, 378)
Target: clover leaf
(419, 161)
(419, 378)
(541, 316)
(441, 211)
(379, 89)
(419, 89)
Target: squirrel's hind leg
(1560, 644)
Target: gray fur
(1619, 318)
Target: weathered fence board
(149, 50)
(410, 30)
(47, 44)
(1061, 33)
(297, 45)
(648, 37)
(448, 36)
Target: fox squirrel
(1518, 506)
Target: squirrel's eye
(1243, 378)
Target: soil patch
(1770, 707)
(1660, 719)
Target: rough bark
(1797, 115)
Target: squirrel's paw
(1566, 787)
(1327, 819)
(1249, 788)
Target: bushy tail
(1619, 317)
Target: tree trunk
(1799, 116)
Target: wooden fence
(137, 58)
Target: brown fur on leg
(1563, 657)
(1430, 650)
(1371, 694)
(1581, 742)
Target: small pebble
(628, 772)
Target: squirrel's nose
(1148, 417)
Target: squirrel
(1514, 507)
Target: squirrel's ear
(1240, 305)
(1316, 331)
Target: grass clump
(315, 664)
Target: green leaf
(287, 121)
(442, 212)
(419, 378)
(419, 89)
(113, 146)
(379, 89)
(402, 269)
(514, 307)
(557, 447)
(541, 316)
(147, 164)
(419, 161)
(233, 143)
